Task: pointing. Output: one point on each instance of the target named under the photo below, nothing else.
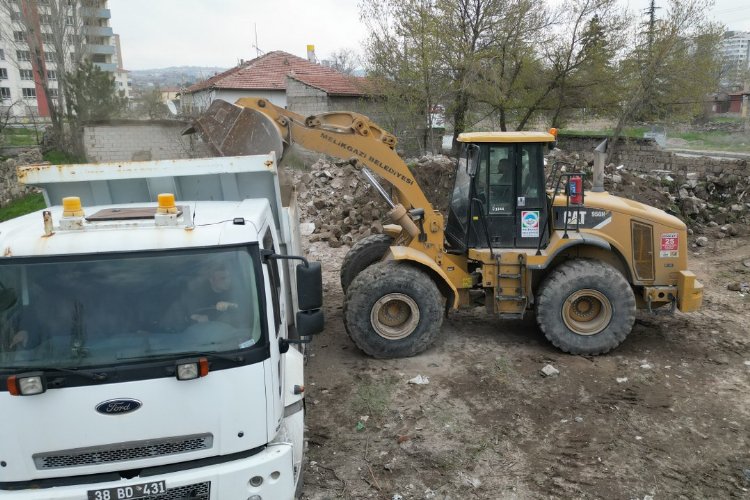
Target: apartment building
(735, 50)
(84, 26)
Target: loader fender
(422, 260)
(585, 239)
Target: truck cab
(152, 349)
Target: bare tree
(344, 61)
(50, 36)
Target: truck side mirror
(310, 322)
(309, 286)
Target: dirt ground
(666, 415)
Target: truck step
(510, 315)
(509, 276)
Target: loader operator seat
(501, 187)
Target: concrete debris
(736, 286)
(344, 207)
(622, 380)
(419, 380)
(550, 371)
(470, 481)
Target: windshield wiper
(239, 359)
(71, 371)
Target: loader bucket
(231, 130)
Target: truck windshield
(101, 310)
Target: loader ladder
(510, 295)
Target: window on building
(19, 36)
(45, 19)
(2, 55)
(3, 74)
(69, 21)
(4, 93)
(15, 15)
(53, 92)
(29, 93)
(49, 57)
(23, 55)
(26, 74)
(51, 75)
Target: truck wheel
(585, 307)
(363, 254)
(393, 310)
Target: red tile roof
(269, 72)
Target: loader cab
(499, 191)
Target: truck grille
(121, 452)
(199, 491)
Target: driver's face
(220, 281)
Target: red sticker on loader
(670, 243)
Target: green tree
(404, 62)
(92, 97)
(673, 66)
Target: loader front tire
(393, 310)
(362, 255)
(585, 307)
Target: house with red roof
(284, 79)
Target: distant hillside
(174, 76)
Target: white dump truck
(151, 333)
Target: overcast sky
(161, 33)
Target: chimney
(311, 54)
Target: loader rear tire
(393, 310)
(363, 254)
(585, 307)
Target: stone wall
(644, 155)
(132, 140)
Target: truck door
(278, 299)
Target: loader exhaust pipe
(600, 157)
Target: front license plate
(128, 492)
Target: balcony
(100, 49)
(99, 31)
(109, 67)
(97, 13)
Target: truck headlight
(189, 369)
(27, 384)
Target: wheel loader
(515, 238)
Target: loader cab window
(500, 170)
(509, 202)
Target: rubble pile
(9, 186)
(344, 207)
(718, 201)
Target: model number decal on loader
(584, 218)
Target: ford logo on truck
(118, 406)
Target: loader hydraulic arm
(236, 130)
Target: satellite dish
(172, 107)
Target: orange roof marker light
(72, 206)
(166, 204)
